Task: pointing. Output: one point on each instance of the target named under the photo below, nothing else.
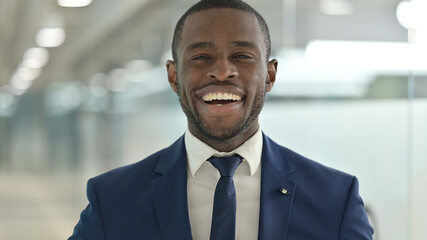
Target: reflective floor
(40, 206)
(350, 93)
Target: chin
(221, 132)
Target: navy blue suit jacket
(148, 200)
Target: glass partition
(350, 93)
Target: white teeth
(221, 96)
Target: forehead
(221, 25)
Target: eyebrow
(202, 45)
(244, 44)
(197, 45)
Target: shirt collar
(198, 152)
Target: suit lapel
(170, 193)
(275, 206)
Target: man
(221, 74)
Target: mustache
(219, 83)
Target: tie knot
(226, 165)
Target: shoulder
(145, 165)
(307, 170)
(303, 165)
(127, 176)
(140, 174)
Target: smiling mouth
(220, 98)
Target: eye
(200, 57)
(242, 57)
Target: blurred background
(83, 89)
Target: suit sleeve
(90, 225)
(355, 224)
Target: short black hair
(209, 4)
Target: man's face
(222, 73)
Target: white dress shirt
(202, 180)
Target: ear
(171, 68)
(272, 70)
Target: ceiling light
(411, 14)
(18, 85)
(336, 7)
(50, 37)
(35, 58)
(74, 3)
(28, 74)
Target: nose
(222, 70)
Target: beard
(222, 133)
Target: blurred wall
(351, 94)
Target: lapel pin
(284, 191)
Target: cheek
(258, 82)
(188, 81)
(184, 92)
